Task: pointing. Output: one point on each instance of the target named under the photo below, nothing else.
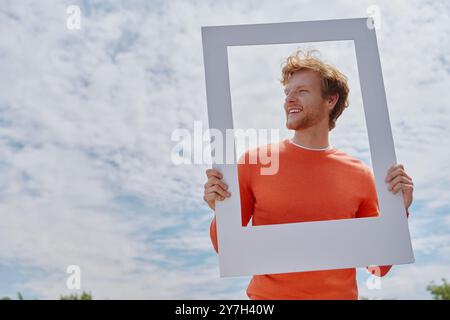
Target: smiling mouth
(294, 111)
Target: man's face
(304, 104)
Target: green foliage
(19, 297)
(83, 296)
(440, 292)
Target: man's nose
(290, 97)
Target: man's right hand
(215, 188)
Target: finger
(395, 173)
(216, 188)
(408, 188)
(407, 175)
(402, 186)
(401, 169)
(219, 190)
(213, 173)
(402, 180)
(398, 179)
(213, 196)
(213, 181)
(395, 167)
(397, 188)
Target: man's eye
(298, 91)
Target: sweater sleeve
(369, 208)
(369, 202)
(246, 196)
(381, 271)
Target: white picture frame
(306, 246)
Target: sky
(87, 115)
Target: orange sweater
(310, 185)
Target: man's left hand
(397, 180)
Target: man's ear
(332, 100)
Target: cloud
(86, 118)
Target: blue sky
(86, 118)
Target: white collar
(313, 149)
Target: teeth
(294, 111)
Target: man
(314, 181)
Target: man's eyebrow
(300, 86)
